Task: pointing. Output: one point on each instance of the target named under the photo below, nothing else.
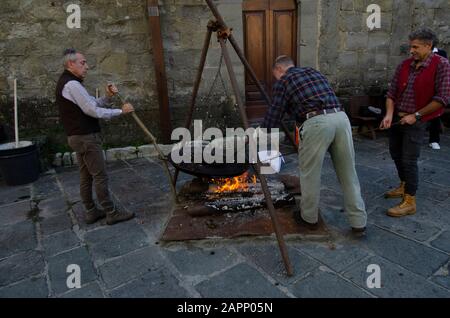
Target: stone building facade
(333, 36)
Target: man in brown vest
(80, 114)
(418, 93)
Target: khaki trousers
(332, 133)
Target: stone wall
(362, 61)
(114, 36)
(184, 27)
(115, 40)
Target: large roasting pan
(206, 170)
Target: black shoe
(358, 232)
(93, 215)
(116, 217)
(299, 220)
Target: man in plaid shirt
(418, 93)
(306, 94)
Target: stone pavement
(42, 233)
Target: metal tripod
(224, 35)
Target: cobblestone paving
(42, 232)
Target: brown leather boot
(115, 216)
(396, 193)
(407, 207)
(93, 215)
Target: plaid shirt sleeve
(392, 92)
(443, 84)
(276, 110)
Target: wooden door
(270, 30)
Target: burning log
(250, 199)
(237, 184)
(242, 193)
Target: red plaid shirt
(407, 102)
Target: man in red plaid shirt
(418, 93)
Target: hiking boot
(116, 217)
(396, 193)
(93, 215)
(299, 220)
(407, 207)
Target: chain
(207, 98)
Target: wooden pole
(247, 66)
(197, 82)
(161, 154)
(16, 117)
(198, 78)
(160, 70)
(155, 144)
(261, 89)
(257, 166)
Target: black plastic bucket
(19, 165)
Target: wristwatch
(418, 116)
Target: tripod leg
(257, 166)
(247, 66)
(259, 85)
(198, 79)
(195, 91)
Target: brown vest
(75, 122)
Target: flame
(236, 184)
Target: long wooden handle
(158, 149)
(148, 133)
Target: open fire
(236, 184)
(241, 193)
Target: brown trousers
(92, 170)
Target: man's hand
(408, 119)
(111, 90)
(127, 108)
(386, 123)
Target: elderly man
(306, 94)
(80, 114)
(418, 93)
